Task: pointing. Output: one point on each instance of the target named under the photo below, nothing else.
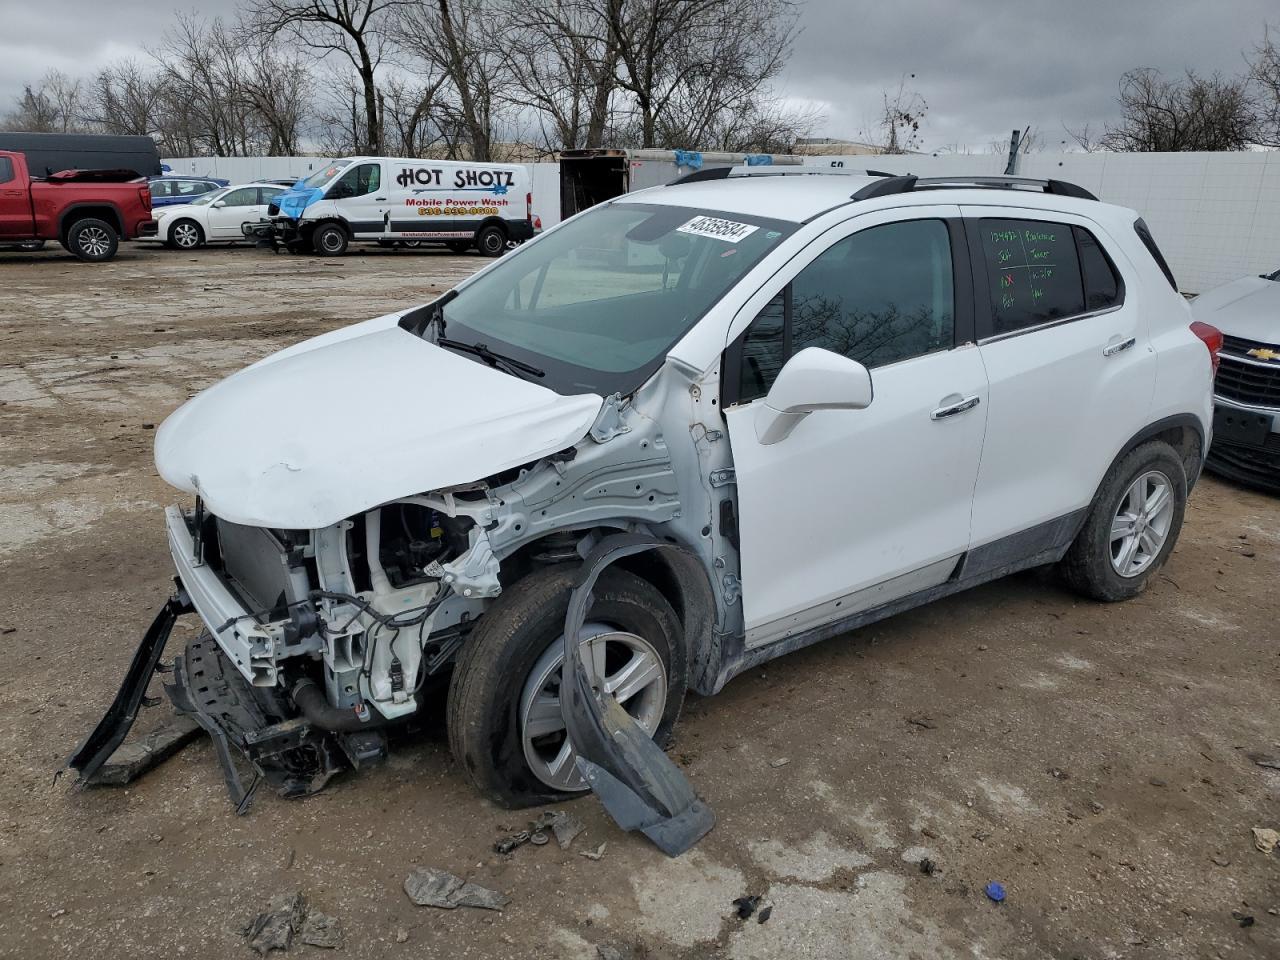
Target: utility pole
(1015, 141)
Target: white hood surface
(1248, 308)
(353, 419)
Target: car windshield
(321, 177)
(209, 197)
(599, 301)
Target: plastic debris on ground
(928, 867)
(995, 892)
(428, 887)
(1265, 839)
(595, 854)
(746, 906)
(274, 928)
(321, 930)
(765, 914)
(565, 827)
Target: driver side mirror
(813, 379)
(219, 203)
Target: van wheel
(491, 241)
(504, 720)
(1131, 528)
(384, 242)
(330, 240)
(93, 240)
(185, 235)
(459, 246)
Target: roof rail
(909, 184)
(771, 170)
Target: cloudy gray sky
(984, 66)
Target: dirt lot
(1093, 759)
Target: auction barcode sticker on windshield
(729, 231)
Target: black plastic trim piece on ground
(638, 784)
(114, 726)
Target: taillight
(528, 207)
(537, 223)
(144, 194)
(1211, 337)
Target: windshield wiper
(492, 358)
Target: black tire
(1087, 567)
(93, 240)
(459, 246)
(498, 657)
(31, 246)
(491, 241)
(330, 240)
(411, 244)
(190, 229)
(384, 242)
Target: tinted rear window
(1144, 233)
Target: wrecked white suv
(840, 396)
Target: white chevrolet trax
(835, 396)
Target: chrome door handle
(968, 403)
(1111, 349)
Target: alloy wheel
(186, 235)
(1141, 523)
(94, 241)
(633, 673)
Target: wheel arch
(676, 574)
(100, 210)
(491, 222)
(1184, 432)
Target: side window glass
(763, 349)
(358, 181)
(880, 296)
(268, 194)
(160, 188)
(1033, 272)
(244, 197)
(1102, 286)
(6, 169)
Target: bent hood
(353, 419)
(1248, 308)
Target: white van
(485, 206)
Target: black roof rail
(888, 187)
(909, 184)
(707, 173)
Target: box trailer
(49, 153)
(591, 176)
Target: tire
(330, 240)
(31, 246)
(1094, 562)
(491, 241)
(410, 244)
(459, 246)
(489, 690)
(185, 234)
(384, 242)
(93, 240)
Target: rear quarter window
(1144, 234)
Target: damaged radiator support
(637, 783)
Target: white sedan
(214, 216)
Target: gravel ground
(1093, 759)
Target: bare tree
(54, 105)
(1191, 113)
(456, 40)
(124, 98)
(353, 29)
(1264, 74)
(901, 114)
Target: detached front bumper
(274, 230)
(1246, 444)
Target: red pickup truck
(87, 211)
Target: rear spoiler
(94, 176)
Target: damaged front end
(316, 641)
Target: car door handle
(379, 199)
(1119, 346)
(951, 409)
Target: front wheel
(505, 724)
(459, 246)
(93, 240)
(1132, 526)
(329, 240)
(491, 241)
(186, 235)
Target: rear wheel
(31, 246)
(505, 725)
(491, 241)
(1132, 526)
(186, 235)
(93, 240)
(330, 240)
